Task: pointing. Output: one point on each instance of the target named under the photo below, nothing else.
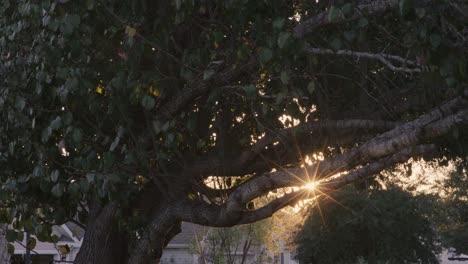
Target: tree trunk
(103, 242)
(149, 248)
(4, 256)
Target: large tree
(132, 116)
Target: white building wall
(178, 255)
(444, 258)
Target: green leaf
(284, 77)
(334, 14)
(65, 28)
(90, 4)
(405, 6)
(54, 238)
(207, 74)
(265, 55)
(54, 176)
(311, 87)
(280, 97)
(108, 159)
(31, 243)
(20, 103)
(349, 35)
(347, 9)
(11, 148)
(11, 235)
(335, 43)
(450, 81)
(77, 135)
(250, 90)
(74, 188)
(46, 133)
(178, 4)
(91, 177)
(74, 20)
(56, 123)
(57, 190)
(157, 126)
(283, 38)
(170, 138)
(114, 144)
(363, 22)
(278, 23)
(420, 12)
(435, 40)
(72, 84)
(38, 171)
(67, 118)
(11, 249)
(265, 109)
(148, 102)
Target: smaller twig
(25, 247)
(382, 57)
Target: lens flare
(311, 186)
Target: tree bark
(103, 243)
(163, 227)
(4, 256)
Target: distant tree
(375, 226)
(119, 114)
(234, 245)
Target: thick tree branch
(220, 216)
(329, 127)
(155, 238)
(199, 86)
(268, 210)
(376, 167)
(424, 128)
(334, 130)
(321, 20)
(411, 133)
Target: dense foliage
(378, 226)
(142, 114)
(455, 230)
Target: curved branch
(400, 137)
(405, 136)
(220, 215)
(198, 87)
(153, 240)
(377, 154)
(334, 131)
(376, 167)
(321, 20)
(329, 127)
(432, 125)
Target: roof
(189, 233)
(77, 231)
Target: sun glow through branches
(311, 186)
